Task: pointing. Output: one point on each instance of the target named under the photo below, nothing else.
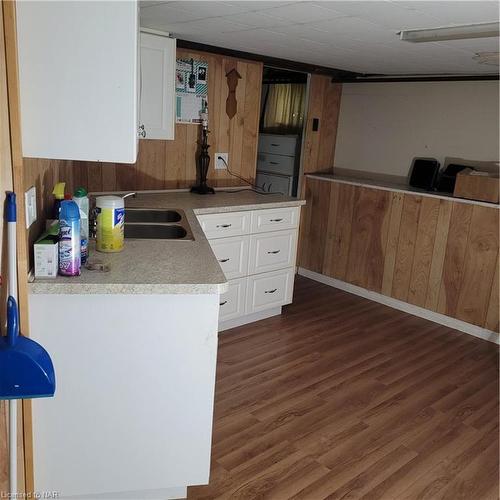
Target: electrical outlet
(30, 206)
(219, 164)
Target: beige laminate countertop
(393, 186)
(164, 266)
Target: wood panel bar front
(437, 253)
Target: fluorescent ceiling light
(479, 30)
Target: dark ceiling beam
(337, 75)
(419, 78)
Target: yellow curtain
(285, 107)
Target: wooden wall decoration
(434, 253)
(232, 82)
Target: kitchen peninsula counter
(164, 266)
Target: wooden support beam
(9, 28)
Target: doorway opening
(282, 122)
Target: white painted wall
(382, 126)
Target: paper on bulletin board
(191, 88)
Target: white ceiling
(351, 35)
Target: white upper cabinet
(78, 75)
(157, 86)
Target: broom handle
(12, 257)
(13, 447)
(11, 241)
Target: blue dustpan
(26, 370)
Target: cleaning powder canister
(110, 220)
(69, 239)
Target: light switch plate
(30, 206)
(219, 164)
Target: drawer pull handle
(275, 145)
(271, 291)
(223, 303)
(274, 251)
(274, 163)
(224, 225)
(223, 260)
(275, 220)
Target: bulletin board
(191, 90)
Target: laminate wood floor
(341, 397)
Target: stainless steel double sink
(156, 224)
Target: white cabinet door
(78, 80)
(157, 86)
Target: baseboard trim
(457, 324)
(249, 318)
(174, 493)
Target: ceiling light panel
(464, 32)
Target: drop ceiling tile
(458, 12)
(307, 32)
(256, 20)
(355, 28)
(165, 14)
(248, 6)
(150, 3)
(205, 9)
(473, 45)
(209, 25)
(303, 12)
(382, 13)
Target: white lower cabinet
(257, 251)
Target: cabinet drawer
(232, 254)
(276, 164)
(274, 219)
(271, 251)
(274, 183)
(269, 290)
(232, 303)
(225, 224)
(278, 144)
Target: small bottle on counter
(69, 239)
(58, 193)
(81, 198)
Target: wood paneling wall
(324, 104)
(434, 253)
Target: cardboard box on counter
(46, 253)
(475, 185)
